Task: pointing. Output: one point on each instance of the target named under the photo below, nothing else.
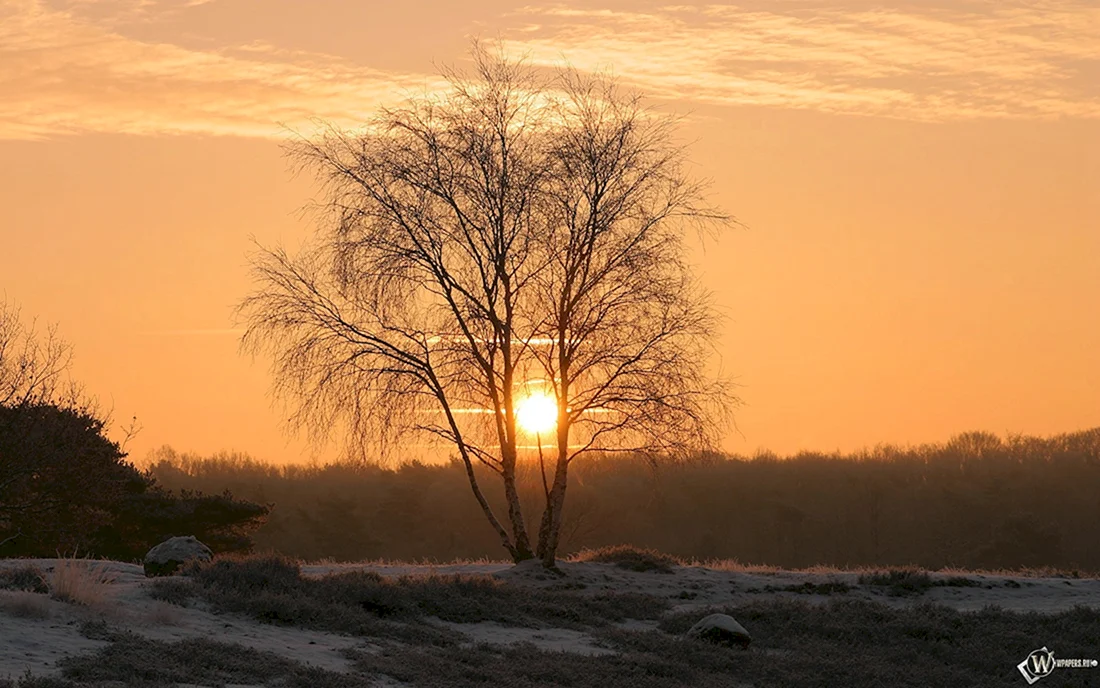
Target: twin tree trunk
(519, 544)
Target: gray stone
(166, 558)
(721, 629)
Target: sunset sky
(919, 186)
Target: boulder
(166, 558)
(721, 629)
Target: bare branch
(514, 229)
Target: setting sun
(537, 413)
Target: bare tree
(628, 328)
(34, 383)
(403, 315)
(34, 366)
(462, 257)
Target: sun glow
(538, 413)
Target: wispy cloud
(65, 74)
(72, 66)
(930, 61)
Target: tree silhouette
(520, 231)
(66, 486)
(34, 367)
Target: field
(609, 618)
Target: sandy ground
(36, 631)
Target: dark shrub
(247, 575)
(26, 577)
(175, 591)
(64, 486)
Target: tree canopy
(521, 236)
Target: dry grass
(80, 581)
(630, 558)
(25, 605)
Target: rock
(721, 629)
(166, 558)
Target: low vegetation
(826, 588)
(909, 581)
(137, 661)
(24, 578)
(272, 589)
(899, 582)
(843, 641)
(23, 604)
(629, 558)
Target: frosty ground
(610, 621)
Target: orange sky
(920, 185)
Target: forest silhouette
(977, 502)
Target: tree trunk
(517, 556)
(550, 528)
(515, 514)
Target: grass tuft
(80, 581)
(630, 558)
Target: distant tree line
(978, 501)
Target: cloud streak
(70, 67)
(966, 60)
(63, 74)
